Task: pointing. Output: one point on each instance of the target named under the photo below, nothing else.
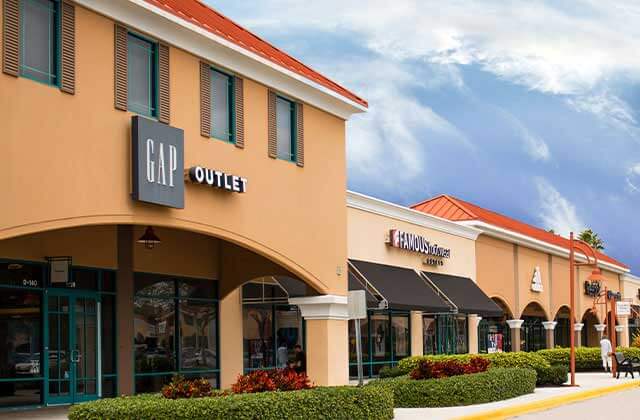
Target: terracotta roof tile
(204, 16)
(442, 206)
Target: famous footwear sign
(420, 244)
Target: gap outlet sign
(157, 157)
(217, 179)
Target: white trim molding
(600, 327)
(515, 324)
(322, 307)
(619, 328)
(167, 27)
(549, 325)
(631, 278)
(578, 326)
(521, 239)
(394, 211)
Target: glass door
(72, 347)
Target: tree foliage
(592, 238)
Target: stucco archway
(563, 328)
(532, 331)
(590, 336)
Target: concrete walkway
(53, 413)
(586, 381)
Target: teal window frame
(176, 298)
(294, 132)
(54, 77)
(231, 111)
(370, 367)
(152, 110)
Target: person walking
(605, 353)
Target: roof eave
(521, 239)
(165, 26)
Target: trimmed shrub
(493, 385)
(390, 372)
(271, 380)
(553, 376)
(587, 358)
(507, 360)
(428, 369)
(340, 403)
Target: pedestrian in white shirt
(605, 353)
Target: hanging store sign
(217, 179)
(157, 156)
(623, 308)
(420, 244)
(591, 288)
(536, 281)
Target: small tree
(592, 238)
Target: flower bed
(493, 385)
(438, 369)
(371, 403)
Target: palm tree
(592, 238)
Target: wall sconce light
(149, 238)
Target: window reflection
(198, 335)
(258, 337)
(154, 325)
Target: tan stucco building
(419, 274)
(158, 159)
(525, 270)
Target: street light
(596, 275)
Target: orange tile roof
(454, 209)
(200, 14)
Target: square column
(549, 329)
(124, 305)
(231, 334)
(577, 330)
(417, 343)
(327, 338)
(600, 328)
(473, 322)
(623, 333)
(515, 325)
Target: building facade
(419, 273)
(525, 270)
(159, 160)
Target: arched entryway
(532, 334)
(590, 337)
(494, 335)
(563, 328)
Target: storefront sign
(536, 281)
(591, 288)
(217, 179)
(623, 308)
(157, 156)
(416, 243)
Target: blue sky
(526, 108)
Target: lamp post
(596, 275)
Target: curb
(504, 413)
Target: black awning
(355, 284)
(465, 294)
(403, 288)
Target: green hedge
(553, 375)
(493, 385)
(587, 358)
(375, 403)
(519, 359)
(391, 372)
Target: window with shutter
(142, 71)
(11, 37)
(68, 48)
(39, 34)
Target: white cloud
(556, 211)
(609, 108)
(633, 178)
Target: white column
(600, 328)
(623, 339)
(619, 336)
(577, 328)
(550, 327)
(515, 325)
(327, 338)
(473, 322)
(416, 333)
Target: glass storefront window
(386, 338)
(20, 358)
(461, 334)
(176, 330)
(532, 334)
(154, 328)
(198, 336)
(429, 335)
(444, 334)
(271, 332)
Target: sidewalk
(586, 382)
